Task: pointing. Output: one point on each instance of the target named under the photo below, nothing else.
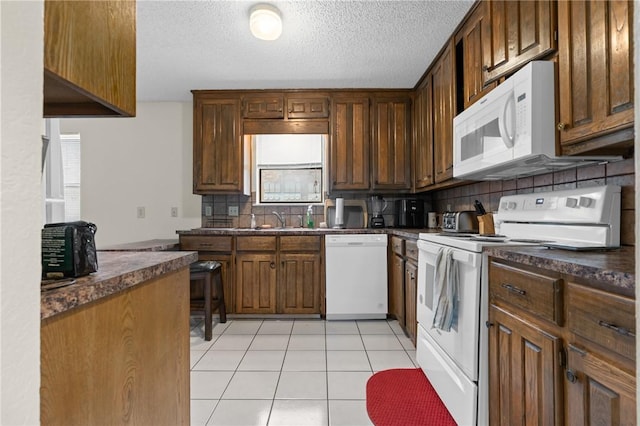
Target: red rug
(404, 397)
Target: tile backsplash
(451, 199)
(619, 173)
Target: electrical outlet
(233, 211)
(174, 212)
(208, 211)
(141, 212)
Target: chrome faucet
(280, 217)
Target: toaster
(464, 221)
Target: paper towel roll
(339, 222)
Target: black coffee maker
(378, 205)
(410, 213)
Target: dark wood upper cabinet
(349, 145)
(217, 145)
(89, 58)
(595, 74)
(423, 135)
(470, 46)
(515, 33)
(391, 142)
(444, 107)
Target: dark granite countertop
(612, 271)
(117, 271)
(148, 245)
(403, 232)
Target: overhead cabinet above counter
(89, 58)
(402, 140)
(369, 135)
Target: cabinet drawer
(222, 243)
(258, 243)
(300, 243)
(538, 294)
(397, 245)
(411, 249)
(603, 318)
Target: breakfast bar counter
(115, 343)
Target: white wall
(21, 62)
(144, 161)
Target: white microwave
(510, 131)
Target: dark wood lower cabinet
(256, 283)
(299, 283)
(560, 352)
(525, 386)
(396, 289)
(599, 393)
(411, 292)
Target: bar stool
(210, 274)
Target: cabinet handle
(561, 126)
(571, 376)
(514, 289)
(273, 265)
(620, 330)
(485, 68)
(488, 324)
(206, 244)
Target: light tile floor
(290, 372)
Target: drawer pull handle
(514, 289)
(571, 376)
(206, 244)
(620, 330)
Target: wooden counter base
(123, 359)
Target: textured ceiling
(185, 45)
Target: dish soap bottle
(253, 221)
(310, 217)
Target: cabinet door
(516, 33)
(391, 143)
(217, 146)
(599, 393)
(299, 284)
(263, 107)
(423, 135)
(596, 71)
(89, 58)
(469, 41)
(396, 289)
(444, 107)
(410, 294)
(525, 385)
(256, 283)
(308, 107)
(349, 146)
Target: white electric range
(456, 361)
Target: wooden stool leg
(208, 328)
(220, 290)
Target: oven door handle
(458, 255)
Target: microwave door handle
(504, 134)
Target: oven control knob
(585, 201)
(571, 202)
(511, 205)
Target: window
(61, 174)
(289, 169)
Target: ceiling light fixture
(265, 22)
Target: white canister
(432, 220)
(339, 221)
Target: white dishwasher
(356, 276)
